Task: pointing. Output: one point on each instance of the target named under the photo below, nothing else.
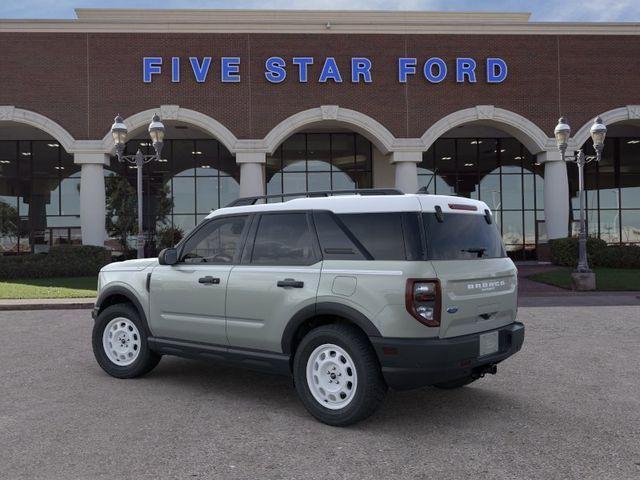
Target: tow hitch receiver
(483, 370)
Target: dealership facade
(278, 102)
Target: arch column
(556, 194)
(406, 167)
(251, 173)
(92, 196)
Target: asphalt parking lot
(567, 406)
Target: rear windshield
(462, 236)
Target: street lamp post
(119, 133)
(583, 277)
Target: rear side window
(336, 242)
(381, 234)
(462, 236)
(284, 239)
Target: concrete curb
(46, 304)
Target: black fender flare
(125, 292)
(326, 308)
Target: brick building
(285, 101)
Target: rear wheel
(120, 342)
(453, 384)
(337, 375)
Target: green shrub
(619, 256)
(61, 261)
(565, 252)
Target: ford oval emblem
(452, 309)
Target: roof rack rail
(244, 201)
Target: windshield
(462, 236)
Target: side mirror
(168, 256)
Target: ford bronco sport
(348, 293)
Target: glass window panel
(467, 151)
(293, 152)
(445, 185)
(512, 192)
(528, 191)
(207, 194)
(318, 152)
(229, 190)
(345, 181)
(363, 153)
(45, 159)
(380, 233)
(631, 226)
(320, 181)
(70, 196)
(24, 159)
(426, 181)
(294, 182)
(206, 154)
(630, 191)
(184, 222)
(445, 156)
(183, 157)
(427, 163)
(183, 197)
(610, 226)
(512, 228)
(217, 243)
(274, 185)
(609, 198)
(67, 166)
(530, 227)
(67, 221)
(487, 156)
(343, 151)
(629, 155)
(511, 155)
(8, 159)
(467, 186)
(44, 196)
(539, 181)
(283, 239)
(490, 191)
(228, 165)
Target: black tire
(370, 386)
(453, 384)
(146, 360)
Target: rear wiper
(478, 251)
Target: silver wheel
(331, 376)
(121, 341)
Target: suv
(348, 294)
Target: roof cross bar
(244, 201)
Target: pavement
(566, 407)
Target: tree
(122, 208)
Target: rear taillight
(423, 301)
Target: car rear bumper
(416, 362)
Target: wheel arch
(117, 294)
(321, 314)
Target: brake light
(422, 298)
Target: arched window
(320, 161)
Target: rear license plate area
(489, 343)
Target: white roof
(363, 204)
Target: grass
(607, 279)
(71, 287)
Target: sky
(542, 10)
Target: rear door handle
(208, 280)
(290, 282)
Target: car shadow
(453, 408)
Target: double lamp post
(156, 132)
(582, 278)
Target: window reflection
(193, 177)
(612, 191)
(319, 161)
(39, 196)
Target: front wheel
(337, 375)
(120, 342)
